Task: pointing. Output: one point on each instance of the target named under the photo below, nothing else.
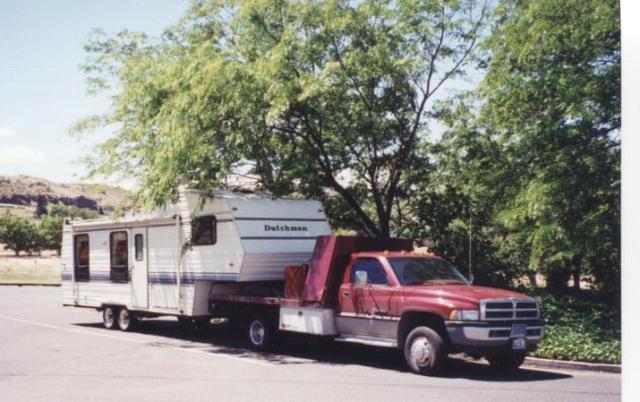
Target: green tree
(50, 232)
(18, 235)
(41, 206)
(552, 93)
(71, 211)
(538, 169)
(329, 99)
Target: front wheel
(424, 351)
(506, 362)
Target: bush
(19, 235)
(50, 232)
(71, 211)
(581, 329)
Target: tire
(126, 320)
(110, 317)
(425, 351)
(260, 333)
(507, 362)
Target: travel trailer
(164, 263)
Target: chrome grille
(508, 309)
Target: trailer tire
(424, 351)
(109, 317)
(261, 333)
(126, 320)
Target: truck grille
(507, 309)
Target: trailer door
(139, 271)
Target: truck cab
(385, 296)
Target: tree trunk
(533, 279)
(577, 268)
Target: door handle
(345, 294)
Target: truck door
(365, 311)
(139, 271)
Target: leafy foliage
(580, 329)
(18, 234)
(71, 211)
(50, 232)
(528, 168)
(325, 99)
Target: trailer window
(139, 243)
(119, 248)
(375, 273)
(203, 230)
(81, 257)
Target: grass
(580, 329)
(30, 270)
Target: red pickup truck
(382, 293)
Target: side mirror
(361, 279)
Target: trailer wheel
(126, 320)
(261, 332)
(109, 319)
(424, 351)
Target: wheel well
(103, 306)
(412, 319)
(242, 313)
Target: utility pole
(470, 244)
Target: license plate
(519, 343)
(518, 330)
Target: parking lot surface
(54, 353)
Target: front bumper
(482, 337)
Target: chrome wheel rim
(124, 319)
(256, 333)
(108, 317)
(421, 351)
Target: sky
(42, 90)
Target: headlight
(464, 315)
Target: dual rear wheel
(118, 317)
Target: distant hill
(23, 191)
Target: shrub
(582, 329)
(19, 234)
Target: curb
(30, 284)
(562, 364)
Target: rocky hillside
(25, 190)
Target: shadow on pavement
(300, 349)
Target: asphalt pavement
(54, 353)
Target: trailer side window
(81, 257)
(119, 250)
(375, 273)
(139, 244)
(203, 230)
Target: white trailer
(166, 262)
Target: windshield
(418, 271)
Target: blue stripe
(186, 278)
